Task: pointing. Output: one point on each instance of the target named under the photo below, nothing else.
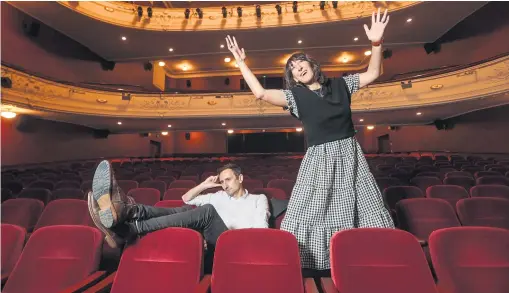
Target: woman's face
(302, 71)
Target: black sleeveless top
(326, 118)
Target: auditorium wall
(484, 132)
(51, 143)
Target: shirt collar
(246, 193)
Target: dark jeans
(204, 219)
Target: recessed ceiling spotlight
(223, 124)
(356, 39)
(170, 49)
(164, 133)
(361, 120)
(161, 63)
(230, 130)
(119, 122)
(419, 113)
(299, 41)
(124, 38)
(222, 46)
(227, 59)
(367, 53)
(298, 129)
(169, 125)
(409, 20)
(120, 89)
(370, 127)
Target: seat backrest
(68, 193)
(49, 185)
(283, 184)
(425, 215)
(157, 184)
(64, 212)
(23, 212)
(67, 184)
(13, 239)
(500, 191)
(41, 194)
(499, 180)
(449, 193)
(251, 184)
(183, 184)
(471, 259)
(270, 192)
(146, 196)
(394, 194)
(168, 260)
(175, 193)
(127, 185)
(484, 211)
(394, 258)
(257, 260)
(175, 203)
(423, 182)
(55, 258)
(463, 181)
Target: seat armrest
(86, 283)
(204, 285)
(423, 242)
(104, 285)
(328, 286)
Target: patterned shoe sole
(108, 237)
(101, 192)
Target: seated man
(120, 218)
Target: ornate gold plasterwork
(484, 80)
(173, 19)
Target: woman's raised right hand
(238, 53)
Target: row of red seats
(466, 260)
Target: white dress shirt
(247, 211)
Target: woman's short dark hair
(317, 71)
(236, 169)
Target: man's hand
(210, 182)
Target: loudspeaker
(147, 66)
(144, 134)
(387, 53)
(26, 123)
(6, 82)
(188, 83)
(432, 48)
(101, 133)
(107, 65)
(393, 128)
(126, 97)
(31, 27)
(227, 81)
(443, 124)
(188, 136)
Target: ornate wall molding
(173, 19)
(480, 81)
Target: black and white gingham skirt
(334, 191)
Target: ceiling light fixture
(169, 125)
(124, 38)
(418, 113)
(230, 131)
(119, 122)
(299, 41)
(370, 127)
(409, 20)
(227, 59)
(345, 60)
(223, 124)
(361, 120)
(298, 129)
(222, 46)
(356, 39)
(367, 53)
(8, 114)
(164, 133)
(170, 49)
(161, 63)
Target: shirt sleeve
(352, 82)
(262, 214)
(290, 100)
(200, 200)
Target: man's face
(230, 183)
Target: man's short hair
(236, 169)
